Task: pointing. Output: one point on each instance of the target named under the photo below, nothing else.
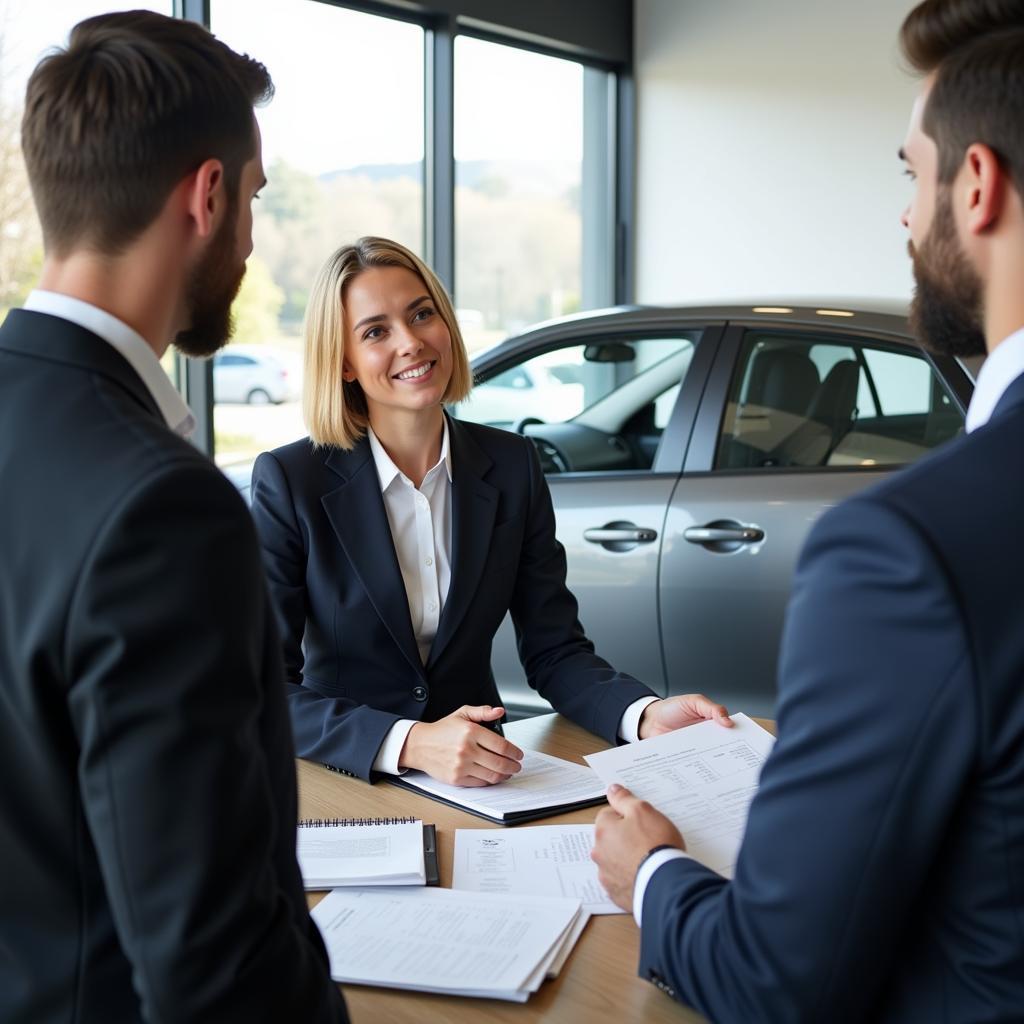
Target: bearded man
(148, 806)
(881, 876)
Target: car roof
(886, 317)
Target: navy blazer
(148, 803)
(881, 876)
(352, 665)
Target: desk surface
(598, 983)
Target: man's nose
(905, 218)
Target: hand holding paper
(625, 832)
(679, 712)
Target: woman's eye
(374, 334)
(423, 313)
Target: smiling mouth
(416, 371)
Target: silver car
(690, 454)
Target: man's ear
(983, 188)
(206, 197)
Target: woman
(395, 539)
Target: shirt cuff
(390, 751)
(646, 873)
(629, 725)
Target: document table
(598, 982)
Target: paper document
(544, 785)
(702, 777)
(539, 860)
(440, 940)
(361, 854)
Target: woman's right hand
(461, 752)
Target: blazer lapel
(360, 522)
(474, 505)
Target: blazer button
(419, 692)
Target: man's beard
(211, 289)
(946, 313)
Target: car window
(799, 400)
(625, 389)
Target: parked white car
(256, 375)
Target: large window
(485, 137)
(527, 175)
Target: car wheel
(258, 397)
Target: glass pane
(625, 389)
(343, 149)
(522, 182)
(799, 401)
(27, 30)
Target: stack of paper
(545, 785)
(702, 778)
(440, 940)
(361, 853)
(539, 860)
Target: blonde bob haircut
(334, 409)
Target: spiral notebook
(366, 851)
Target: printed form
(539, 860)
(702, 778)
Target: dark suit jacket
(334, 577)
(882, 873)
(148, 808)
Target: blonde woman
(396, 538)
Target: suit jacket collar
(52, 338)
(356, 511)
(1010, 398)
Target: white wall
(767, 139)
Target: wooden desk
(598, 983)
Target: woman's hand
(461, 752)
(678, 712)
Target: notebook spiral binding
(329, 822)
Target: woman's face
(397, 346)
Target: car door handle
(620, 535)
(719, 534)
(610, 535)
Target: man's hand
(625, 832)
(679, 712)
(460, 752)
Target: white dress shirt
(421, 529)
(129, 343)
(1003, 366)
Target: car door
(792, 422)
(611, 423)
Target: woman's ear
(346, 373)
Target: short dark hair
(112, 123)
(975, 48)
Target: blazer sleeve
(174, 708)
(557, 657)
(336, 731)
(877, 732)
